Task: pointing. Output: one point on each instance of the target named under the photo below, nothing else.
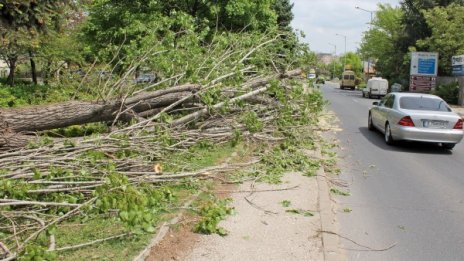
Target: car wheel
(363, 94)
(341, 87)
(369, 95)
(388, 135)
(448, 146)
(370, 126)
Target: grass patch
(339, 192)
(285, 203)
(210, 210)
(303, 212)
(119, 249)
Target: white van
(375, 87)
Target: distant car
(416, 117)
(312, 76)
(146, 78)
(396, 87)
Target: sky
(322, 20)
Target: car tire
(388, 136)
(370, 126)
(448, 146)
(369, 95)
(363, 94)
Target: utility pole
(335, 54)
(344, 60)
(370, 27)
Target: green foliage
(35, 252)
(285, 203)
(79, 130)
(41, 142)
(23, 94)
(339, 192)
(303, 212)
(446, 36)
(281, 160)
(14, 188)
(252, 121)
(138, 206)
(212, 213)
(448, 92)
(379, 42)
(353, 61)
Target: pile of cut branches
(45, 181)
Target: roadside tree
(379, 42)
(446, 25)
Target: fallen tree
(17, 122)
(43, 186)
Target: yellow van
(348, 80)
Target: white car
(416, 117)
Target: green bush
(23, 93)
(448, 92)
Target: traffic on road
(407, 200)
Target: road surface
(410, 195)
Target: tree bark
(38, 118)
(33, 68)
(11, 76)
(10, 140)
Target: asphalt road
(410, 195)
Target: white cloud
(321, 20)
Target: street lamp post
(335, 54)
(344, 60)
(370, 26)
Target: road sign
(422, 83)
(424, 64)
(458, 65)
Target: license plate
(434, 124)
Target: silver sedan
(416, 117)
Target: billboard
(424, 68)
(424, 64)
(457, 62)
(423, 84)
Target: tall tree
(21, 22)
(283, 8)
(415, 26)
(446, 25)
(379, 42)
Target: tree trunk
(12, 63)
(33, 68)
(47, 72)
(38, 118)
(10, 140)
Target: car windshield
(423, 104)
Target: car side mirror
(375, 103)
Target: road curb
(163, 231)
(329, 228)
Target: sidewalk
(458, 109)
(272, 222)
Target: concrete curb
(162, 232)
(330, 241)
